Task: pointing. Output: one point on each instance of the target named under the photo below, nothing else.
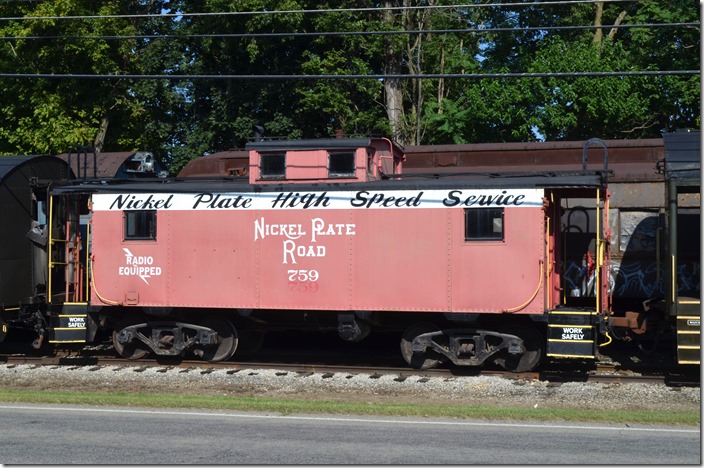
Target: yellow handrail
(597, 279)
(95, 288)
(540, 282)
(51, 242)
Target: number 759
(303, 275)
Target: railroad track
(601, 373)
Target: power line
(327, 10)
(472, 76)
(354, 33)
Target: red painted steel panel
(394, 258)
(204, 259)
(501, 276)
(400, 260)
(211, 259)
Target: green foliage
(336, 104)
(487, 111)
(579, 108)
(51, 115)
(183, 119)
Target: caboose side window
(273, 166)
(140, 225)
(341, 164)
(483, 224)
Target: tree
(179, 119)
(51, 115)
(578, 108)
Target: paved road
(44, 434)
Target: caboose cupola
(333, 160)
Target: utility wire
(472, 76)
(327, 10)
(355, 33)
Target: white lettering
(572, 333)
(139, 271)
(290, 231)
(76, 322)
(132, 260)
(303, 275)
(320, 228)
(293, 251)
(135, 266)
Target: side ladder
(68, 272)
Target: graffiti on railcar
(634, 280)
(634, 271)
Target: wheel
(228, 340)
(135, 349)
(426, 360)
(527, 361)
(249, 342)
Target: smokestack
(258, 132)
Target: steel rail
(602, 374)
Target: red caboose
(329, 234)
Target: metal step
(69, 323)
(571, 333)
(689, 330)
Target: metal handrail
(592, 142)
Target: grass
(286, 406)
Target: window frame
(341, 174)
(144, 229)
(264, 168)
(484, 218)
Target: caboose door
(581, 253)
(67, 289)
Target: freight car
(639, 217)
(25, 182)
(321, 235)
(682, 276)
(637, 203)
(329, 234)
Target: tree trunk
(393, 87)
(414, 59)
(617, 23)
(441, 81)
(599, 21)
(100, 137)
(598, 34)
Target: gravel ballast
(266, 383)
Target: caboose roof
(574, 179)
(312, 144)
